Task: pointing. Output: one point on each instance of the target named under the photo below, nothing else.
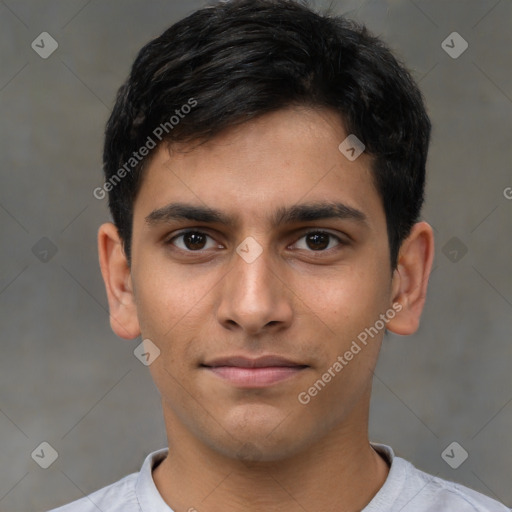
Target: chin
(266, 439)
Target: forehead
(253, 170)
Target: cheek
(347, 301)
(167, 296)
(174, 307)
(342, 309)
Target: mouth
(254, 372)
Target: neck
(341, 472)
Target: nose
(254, 297)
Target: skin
(232, 447)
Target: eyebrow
(317, 211)
(284, 215)
(183, 211)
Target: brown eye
(193, 241)
(318, 241)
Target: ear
(118, 283)
(410, 278)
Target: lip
(252, 362)
(257, 372)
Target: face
(257, 261)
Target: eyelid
(310, 231)
(202, 231)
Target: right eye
(193, 241)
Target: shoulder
(434, 493)
(452, 496)
(411, 490)
(126, 495)
(117, 497)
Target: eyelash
(316, 231)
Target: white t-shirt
(406, 489)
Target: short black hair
(234, 61)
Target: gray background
(65, 378)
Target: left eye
(193, 241)
(317, 241)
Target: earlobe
(117, 277)
(410, 278)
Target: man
(265, 168)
